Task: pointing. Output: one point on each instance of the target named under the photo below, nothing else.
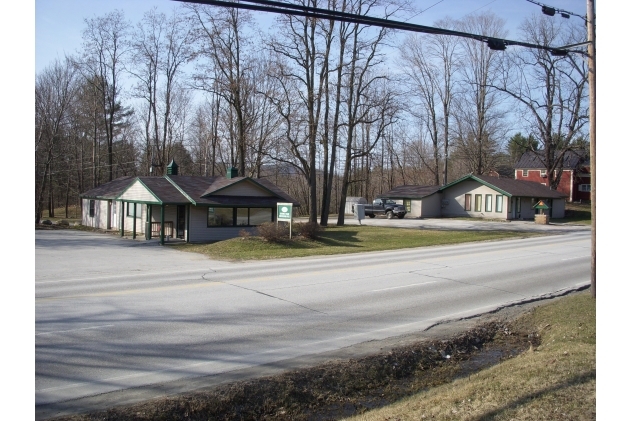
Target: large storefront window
(220, 217)
(260, 215)
(230, 217)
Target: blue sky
(58, 23)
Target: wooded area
(323, 109)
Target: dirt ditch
(340, 388)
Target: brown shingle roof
(109, 190)
(514, 187)
(180, 189)
(409, 192)
(535, 160)
(164, 190)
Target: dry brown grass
(554, 381)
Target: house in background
(498, 198)
(193, 208)
(479, 196)
(419, 201)
(575, 181)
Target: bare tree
(221, 40)
(161, 48)
(105, 46)
(55, 90)
(550, 91)
(430, 63)
(302, 73)
(479, 117)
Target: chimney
(232, 173)
(172, 168)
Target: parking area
(457, 224)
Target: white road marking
(574, 258)
(127, 275)
(72, 330)
(404, 286)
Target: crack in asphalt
(466, 283)
(265, 294)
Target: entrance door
(181, 220)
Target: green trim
(473, 177)
(138, 201)
(240, 181)
(180, 190)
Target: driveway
(452, 224)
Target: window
(585, 187)
(244, 217)
(478, 203)
(130, 210)
(544, 173)
(220, 217)
(260, 215)
(408, 205)
(92, 205)
(499, 203)
(467, 202)
(510, 205)
(488, 206)
(524, 173)
(518, 205)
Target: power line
(313, 12)
(551, 11)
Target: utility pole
(591, 77)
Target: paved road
(113, 314)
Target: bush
(244, 234)
(308, 229)
(269, 231)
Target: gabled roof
(409, 192)
(571, 160)
(180, 189)
(511, 187)
(164, 191)
(109, 190)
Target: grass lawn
(577, 213)
(339, 240)
(553, 381)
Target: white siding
(99, 220)
(201, 233)
(139, 193)
(454, 198)
(141, 210)
(430, 206)
(558, 208)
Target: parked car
(387, 207)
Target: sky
(34, 33)
(58, 23)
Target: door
(181, 220)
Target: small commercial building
(193, 208)
(479, 196)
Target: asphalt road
(115, 314)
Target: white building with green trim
(193, 208)
(479, 196)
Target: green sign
(284, 211)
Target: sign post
(284, 212)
